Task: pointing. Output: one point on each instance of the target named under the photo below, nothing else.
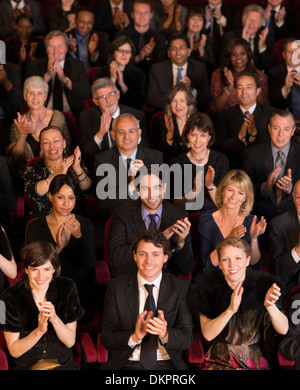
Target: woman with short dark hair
(42, 311)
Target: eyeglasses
(122, 51)
(123, 132)
(104, 97)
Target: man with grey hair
(112, 175)
(95, 123)
(66, 76)
(253, 31)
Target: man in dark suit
(243, 124)
(85, 43)
(114, 186)
(179, 67)
(261, 42)
(66, 76)
(130, 325)
(284, 79)
(94, 124)
(112, 16)
(280, 19)
(284, 237)
(9, 10)
(150, 45)
(171, 220)
(274, 167)
(220, 18)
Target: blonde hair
(243, 182)
(235, 242)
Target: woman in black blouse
(71, 234)
(39, 174)
(129, 79)
(62, 16)
(42, 312)
(198, 135)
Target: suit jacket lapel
(132, 298)
(165, 292)
(137, 217)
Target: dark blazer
(159, 53)
(228, 125)
(104, 18)
(230, 13)
(6, 18)
(283, 236)
(258, 164)
(103, 47)
(127, 222)
(289, 345)
(134, 79)
(288, 29)
(161, 80)
(261, 61)
(12, 100)
(74, 69)
(89, 124)
(111, 156)
(121, 309)
(276, 77)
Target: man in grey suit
(115, 167)
(284, 237)
(178, 68)
(94, 126)
(274, 167)
(127, 323)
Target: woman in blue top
(234, 200)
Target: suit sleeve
(154, 95)
(282, 263)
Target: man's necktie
(272, 23)
(246, 113)
(84, 51)
(179, 75)
(148, 356)
(57, 94)
(152, 225)
(279, 162)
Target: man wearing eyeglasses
(126, 154)
(95, 123)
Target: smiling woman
(25, 131)
(41, 312)
(238, 311)
(234, 200)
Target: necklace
(200, 161)
(40, 120)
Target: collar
(81, 38)
(19, 5)
(175, 67)
(116, 113)
(145, 212)
(133, 156)
(285, 150)
(142, 281)
(120, 6)
(251, 109)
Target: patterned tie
(152, 225)
(148, 356)
(179, 75)
(279, 162)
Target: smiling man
(178, 68)
(126, 133)
(150, 212)
(245, 123)
(128, 323)
(86, 44)
(274, 167)
(67, 78)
